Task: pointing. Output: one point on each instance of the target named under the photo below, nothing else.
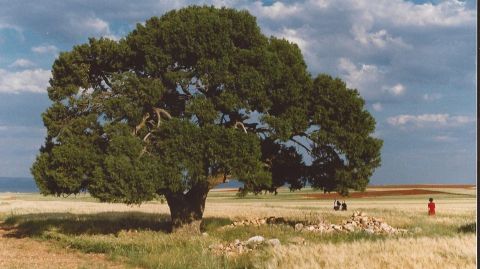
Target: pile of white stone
(259, 221)
(249, 222)
(359, 221)
(238, 247)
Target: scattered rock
(349, 227)
(336, 227)
(273, 242)
(239, 247)
(357, 222)
(255, 240)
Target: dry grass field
(78, 232)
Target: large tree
(193, 98)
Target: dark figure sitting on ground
(336, 205)
(344, 206)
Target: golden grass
(447, 252)
(436, 246)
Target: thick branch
(237, 124)
(221, 119)
(106, 80)
(146, 136)
(141, 124)
(201, 88)
(262, 130)
(186, 91)
(302, 145)
(159, 112)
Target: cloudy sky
(414, 62)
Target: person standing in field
(431, 207)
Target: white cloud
(45, 49)
(377, 106)
(276, 11)
(96, 24)
(443, 138)
(358, 75)
(322, 4)
(31, 80)
(380, 39)
(364, 78)
(447, 13)
(294, 36)
(396, 90)
(428, 120)
(22, 63)
(429, 97)
(9, 26)
(92, 26)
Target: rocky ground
(358, 222)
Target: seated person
(336, 205)
(344, 206)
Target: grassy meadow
(121, 236)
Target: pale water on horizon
(17, 184)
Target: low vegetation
(141, 239)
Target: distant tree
(191, 99)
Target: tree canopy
(191, 99)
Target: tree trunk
(186, 210)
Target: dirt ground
(28, 253)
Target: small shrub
(468, 228)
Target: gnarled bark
(186, 210)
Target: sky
(414, 63)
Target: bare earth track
(30, 253)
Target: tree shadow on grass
(468, 228)
(31, 225)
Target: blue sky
(414, 62)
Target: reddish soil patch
(455, 186)
(372, 194)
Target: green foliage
(468, 228)
(193, 96)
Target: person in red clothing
(431, 207)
